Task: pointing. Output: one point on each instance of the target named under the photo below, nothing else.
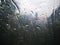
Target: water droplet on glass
(14, 28)
(7, 16)
(59, 13)
(8, 26)
(26, 25)
(38, 28)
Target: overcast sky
(42, 7)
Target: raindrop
(26, 25)
(59, 13)
(31, 11)
(14, 28)
(8, 26)
(38, 28)
(8, 14)
(0, 7)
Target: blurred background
(29, 22)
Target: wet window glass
(29, 22)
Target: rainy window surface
(29, 22)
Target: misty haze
(29, 22)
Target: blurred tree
(7, 10)
(54, 27)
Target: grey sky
(44, 8)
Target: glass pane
(29, 22)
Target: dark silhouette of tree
(54, 27)
(7, 34)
